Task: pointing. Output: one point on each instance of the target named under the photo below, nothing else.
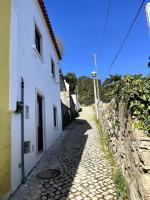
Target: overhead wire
(127, 35)
(104, 32)
(105, 25)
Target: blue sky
(80, 23)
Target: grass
(121, 185)
(119, 180)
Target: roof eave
(49, 26)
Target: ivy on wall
(134, 92)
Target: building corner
(5, 137)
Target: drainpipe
(22, 131)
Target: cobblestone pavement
(85, 174)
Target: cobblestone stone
(85, 174)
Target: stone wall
(131, 148)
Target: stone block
(145, 145)
(146, 184)
(145, 157)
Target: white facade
(76, 102)
(67, 86)
(35, 69)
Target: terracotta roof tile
(45, 14)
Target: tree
(72, 80)
(85, 90)
(108, 87)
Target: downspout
(22, 131)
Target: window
(52, 68)
(55, 116)
(38, 40)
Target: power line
(126, 36)
(103, 34)
(101, 48)
(105, 26)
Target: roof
(49, 26)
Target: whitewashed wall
(76, 102)
(25, 62)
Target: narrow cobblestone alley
(80, 170)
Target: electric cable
(127, 35)
(105, 26)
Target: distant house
(76, 102)
(30, 104)
(69, 111)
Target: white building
(34, 60)
(76, 102)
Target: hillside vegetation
(132, 90)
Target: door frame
(39, 93)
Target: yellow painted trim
(5, 147)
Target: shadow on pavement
(53, 177)
(69, 158)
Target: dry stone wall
(131, 148)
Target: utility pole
(97, 82)
(95, 93)
(147, 9)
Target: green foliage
(121, 185)
(104, 143)
(85, 90)
(134, 92)
(115, 124)
(83, 85)
(108, 87)
(72, 80)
